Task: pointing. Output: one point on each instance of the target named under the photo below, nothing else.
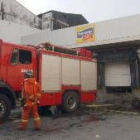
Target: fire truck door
(20, 61)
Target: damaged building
(53, 20)
(11, 10)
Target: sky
(92, 10)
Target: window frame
(18, 57)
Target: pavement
(85, 124)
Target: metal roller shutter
(117, 74)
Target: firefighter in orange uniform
(31, 94)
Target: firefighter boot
(23, 125)
(37, 124)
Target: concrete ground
(84, 125)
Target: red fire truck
(68, 77)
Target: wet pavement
(82, 125)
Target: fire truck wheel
(5, 108)
(70, 101)
(136, 103)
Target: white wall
(11, 32)
(59, 37)
(106, 32)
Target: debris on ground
(113, 108)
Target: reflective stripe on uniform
(31, 97)
(36, 119)
(24, 120)
(38, 95)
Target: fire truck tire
(70, 101)
(5, 108)
(136, 103)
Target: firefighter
(31, 94)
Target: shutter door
(117, 74)
(50, 73)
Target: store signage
(85, 33)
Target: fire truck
(68, 77)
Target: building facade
(117, 43)
(53, 20)
(11, 10)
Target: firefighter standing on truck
(31, 94)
